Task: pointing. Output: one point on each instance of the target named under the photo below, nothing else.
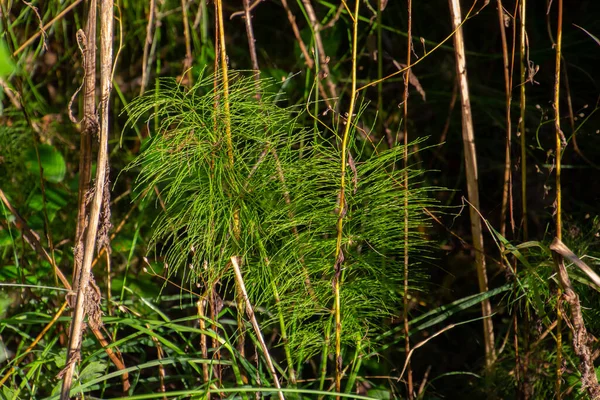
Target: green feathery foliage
(285, 182)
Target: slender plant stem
(236, 211)
(339, 258)
(472, 179)
(251, 44)
(284, 337)
(250, 312)
(76, 334)
(324, 357)
(323, 59)
(90, 128)
(292, 18)
(380, 116)
(508, 100)
(523, 105)
(187, 64)
(224, 76)
(405, 300)
(147, 44)
(559, 145)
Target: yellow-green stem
(341, 211)
(225, 80)
(558, 136)
(409, 381)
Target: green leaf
(7, 65)
(53, 163)
(5, 238)
(92, 371)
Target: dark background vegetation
(49, 71)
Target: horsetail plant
(287, 195)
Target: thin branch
(187, 64)
(323, 59)
(508, 100)
(558, 260)
(250, 312)
(339, 255)
(405, 296)
(147, 44)
(252, 43)
(472, 179)
(522, 106)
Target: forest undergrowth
(364, 199)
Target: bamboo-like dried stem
(242, 287)
(472, 179)
(106, 59)
(90, 129)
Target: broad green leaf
(52, 161)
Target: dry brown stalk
(508, 100)
(323, 59)
(581, 340)
(240, 283)
(472, 179)
(292, 18)
(251, 40)
(201, 307)
(310, 63)
(84, 289)
(147, 43)
(90, 128)
(187, 63)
